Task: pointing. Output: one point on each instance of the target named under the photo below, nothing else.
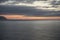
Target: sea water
(30, 30)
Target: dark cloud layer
(55, 2)
(3, 0)
(27, 11)
(22, 0)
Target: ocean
(30, 30)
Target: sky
(30, 7)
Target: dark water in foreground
(30, 30)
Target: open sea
(30, 30)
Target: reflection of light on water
(35, 30)
(44, 24)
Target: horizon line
(24, 17)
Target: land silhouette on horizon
(2, 18)
(24, 17)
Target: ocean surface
(30, 30)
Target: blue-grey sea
(30, 30)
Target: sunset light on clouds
(30, 7)
(37, 4)
(18, 17)
(29, 19)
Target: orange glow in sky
(27, 17)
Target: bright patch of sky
(45, 5)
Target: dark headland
(2, 18)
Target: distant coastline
(27, 18)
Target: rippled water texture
(30, 30)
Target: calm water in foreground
(30, 30)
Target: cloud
(55, 2)
(26, 11)
(29, 7)
(38, 4)
(25, 1)
(3, 0)
(31, 2)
